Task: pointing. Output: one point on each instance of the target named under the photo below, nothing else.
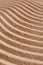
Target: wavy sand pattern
(21, 32)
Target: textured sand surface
(21, 32)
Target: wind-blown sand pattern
(21, 32)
